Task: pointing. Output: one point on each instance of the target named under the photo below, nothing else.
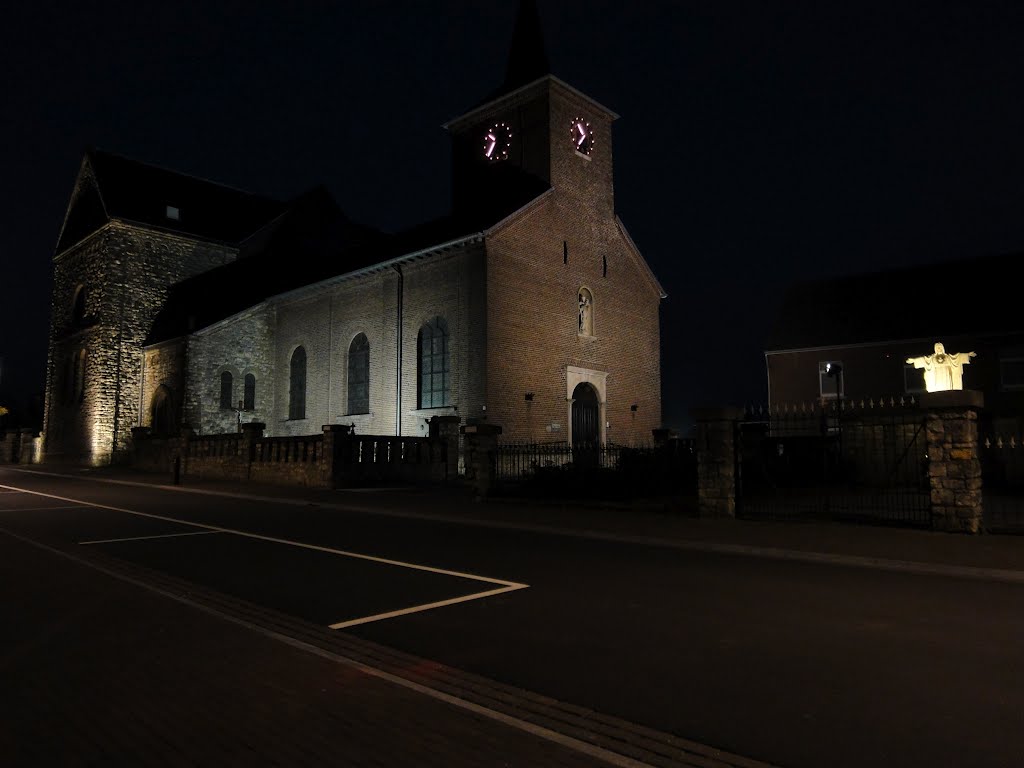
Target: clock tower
(533, 131)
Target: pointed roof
(113, 187)
(527, 57)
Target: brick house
(866, 326)
(528, 306)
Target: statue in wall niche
(942, 370)
(586, 320)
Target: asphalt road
(796, 664)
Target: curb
(924, 568)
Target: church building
(178, 301)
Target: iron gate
(862, 462)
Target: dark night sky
(759, 143)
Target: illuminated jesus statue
(942, 371)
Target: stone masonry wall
(241, 345)
(126, 271)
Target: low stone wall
(334, 458)
(290, 461)
(20, 446)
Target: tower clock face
(497, 142)
(582, 136)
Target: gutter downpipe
(398, 353)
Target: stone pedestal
(336, 453)
(716, 460)
(481, 453)
(445, 429)
(954, 468)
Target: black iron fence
(1002, 472)
(614, 472)
(863, 461)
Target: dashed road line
(39, 509)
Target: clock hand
(494, 141)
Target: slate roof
(966, 296)
(137, 192)
(314, 241)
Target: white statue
(942, 371)
(586, 322)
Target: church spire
(527, 58)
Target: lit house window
(359, 375)
(432, 348)
(297, 385)
(225, 390)
(830, 379)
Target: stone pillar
(26, 446)
(445, 430)
(481, 453)
(336, 453)
(251, 432)
(716, 460)
(954, 468)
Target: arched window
(78, 306)
(79, 391)
(297, 385)
(359, 375)
(225, 390)
(432, 349)
(249, 397)
(586, 312)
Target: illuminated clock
(582, 136)
(497, 142)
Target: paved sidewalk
(991, 557)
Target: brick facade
(508, 294)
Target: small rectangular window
(830, 379)
(173, 213)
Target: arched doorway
(162, 412)
(586, 426)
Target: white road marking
(578, 745)
(36, 509)
(427, 606)
(506, 586)
(144, 538)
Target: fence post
(335, 450)
(181, 454)
(716, 460)
(445, 429)
(251, 432)
(481, 454)
(954, 468)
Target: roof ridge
(93, 150)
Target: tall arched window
(79, 392)
(432, 349)
(297, 385)
(225, 390)
(249, 397)
(359, 375)
(78, 306)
